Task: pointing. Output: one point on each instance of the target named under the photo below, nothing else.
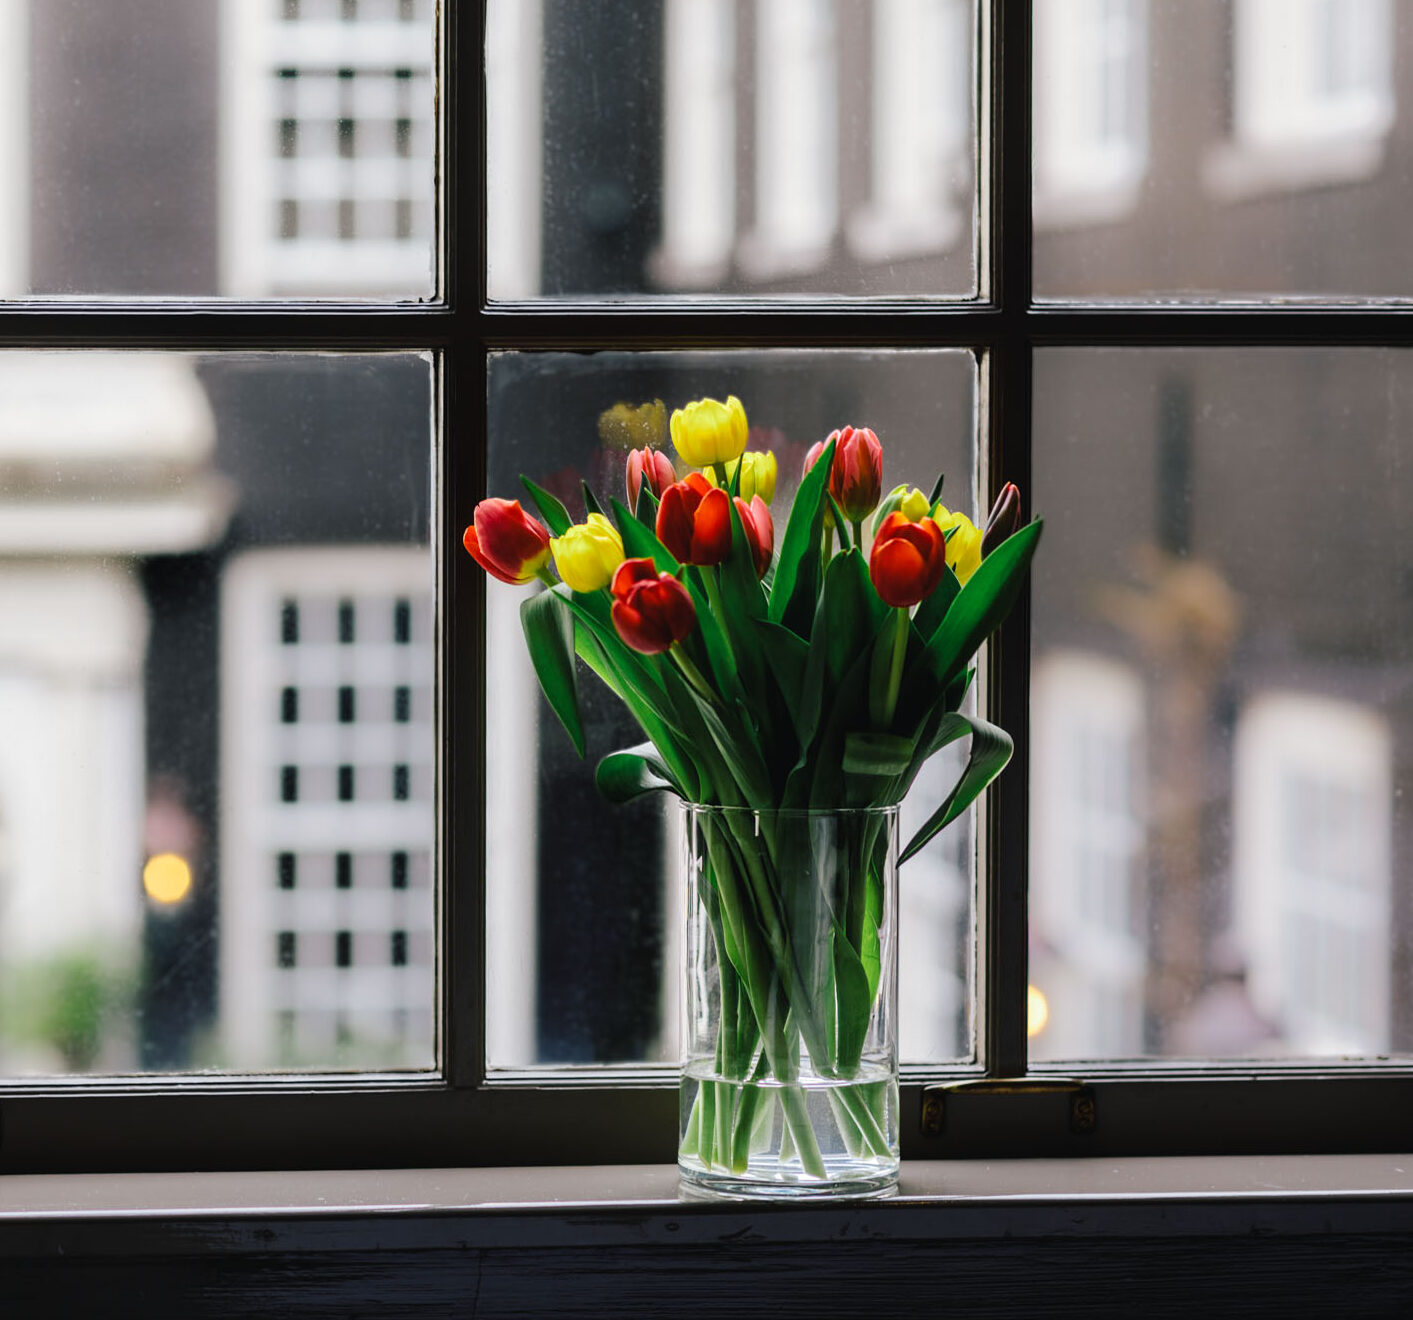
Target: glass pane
(216, 814)
(1220, 703)
(245, 149)
(1221, 149)
(780, 146)
(584, 909)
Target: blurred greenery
(65, 1004)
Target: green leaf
(980, 606)
(624, 775)
(591, 501)
(936, 489)
(990, 750)
(878, 754)
(556, 516)
(640, 541)
(934, 608)
(787, 657)
(855, 1003)
(548, 624)
(792, 596)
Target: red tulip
(653, 464)
(651, 610)
(759, 529)
(812, 455)
(1004, 519)
(907, 560)
(856, 477)
(506, 542)
(694, 521)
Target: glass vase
(789, 1002)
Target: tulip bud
(694, 521)
(963, 543)
(708, 431)
(651, 610)
(760, 531)
(856, 477)
(506, 542)
(587, 554)
(758, 472)
(655, 466)
(1004, 519)
(907, 560)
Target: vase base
(845, 1179)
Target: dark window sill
(1241, 1236)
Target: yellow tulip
(587, 554)
(708, 431)
(758, 472)
(914, 506)
(963, 546)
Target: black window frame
(462, 1116)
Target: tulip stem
(546, 576)
(895, 670)
(691, 673)
(858, 532)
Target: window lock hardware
(1083, 1114)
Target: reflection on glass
(1220, 149)
(284, 151)
(583, 912)
(747, 148)
(208, 859)
(1219, 703)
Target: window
(1008, 387)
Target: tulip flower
(587, 554)
(655, 466)
(510, 545)
(856, 476)
(964, 543)
(708, 432)
(758, 473)
(759, 530)
(1004, 519)
(651, 611)
(907, 560)
(694, 521)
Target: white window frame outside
(14, 148)
(699, 144)
(797, 139)
(1332, 745)
(1086, 52)
(920, 135)
(256, 262)
(1287, 131)
(1089, 968)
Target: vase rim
(712, 808)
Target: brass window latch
(1083, 1115)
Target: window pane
(1220, 149)
(243, 148)
(783, 146)
(216, 814)
(1220, 703)
(584, 910)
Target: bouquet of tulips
(817, 669)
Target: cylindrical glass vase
(789, 1002)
